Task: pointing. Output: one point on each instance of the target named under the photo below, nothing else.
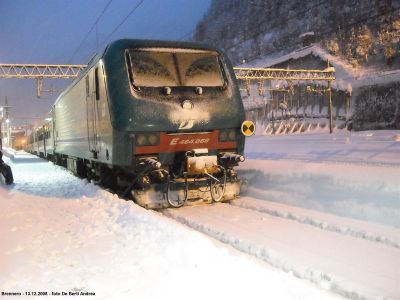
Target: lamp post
(5, 117)
(8, 128)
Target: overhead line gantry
(260, 75)
(284, 74)
(40, 72)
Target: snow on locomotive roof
(175, 50)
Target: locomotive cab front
(186, 113)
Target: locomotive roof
(121, 44)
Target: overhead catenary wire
(122, 22)
(265, 20)
(183, 37)
(91, 29)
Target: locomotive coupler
(198, 162)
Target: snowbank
(348, 174)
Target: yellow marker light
(248, 128)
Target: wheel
(217, 188)
(176, 198)
(107, 177)
(217, 191)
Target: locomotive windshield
(175, 67)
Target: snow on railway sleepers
(352, 267)
(361, 229)
(349, 174)
(364, 192)
(60, 233)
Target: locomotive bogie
(199, 193)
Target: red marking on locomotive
(185, 142)
(181, 141)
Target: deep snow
(59, 233)
(350, 174)
(313, 206)
(348, 265)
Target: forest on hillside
(362, 32)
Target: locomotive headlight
(151, 139)
(227, 135)
(232, 135)
(223, 136)
(141, 140)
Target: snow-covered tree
(353, 29)
(389, 40)
(363, 44)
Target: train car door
(92, 97)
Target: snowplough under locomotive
(158, 120)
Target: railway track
(359, 229)
(355, 259)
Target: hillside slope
(362, 32)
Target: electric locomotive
(160, 120)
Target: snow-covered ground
(323, 207)
(347, 183)
(61, 234)
(351, 174)
(346, 264)
(319, 220)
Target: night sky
(51, 31)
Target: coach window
(96, 83)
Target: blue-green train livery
(156, 120)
